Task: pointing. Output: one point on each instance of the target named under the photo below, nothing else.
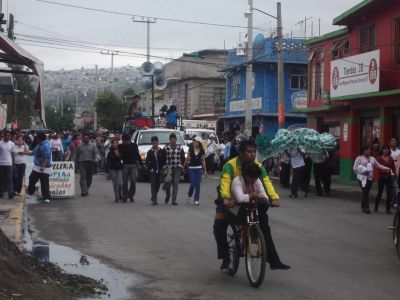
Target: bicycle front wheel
(396, 226)
(255, 255)
(234, 248)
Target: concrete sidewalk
(12, 217)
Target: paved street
(335, 251)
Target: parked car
(142, 138)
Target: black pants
(365, 195)
(18, 177)
(6, 180)
(307, 171)
(210, 163)
(298, 181)
(221, 226)
(44, 184)
(155, 181)
(322, 177)
(384, 180)
(284, 174)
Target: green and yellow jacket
(232, 169)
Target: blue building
(265, 86)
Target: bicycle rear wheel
(396, 224)
(255, 255)
(234, 249)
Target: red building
(354, 80)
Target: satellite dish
(147, 68)
(158, 68)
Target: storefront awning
(14, 54)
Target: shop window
(340, 49)
(396, 40)
(235, 86)
(316, 60)
(219, 99)
(298, 80)
(367, 38)
(370, 131)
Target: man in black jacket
(155, 160)
(130, 161)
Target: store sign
(299, 100)
(62, 179)
(355, 74)
(241, 104)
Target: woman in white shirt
(57, 151)
(363, 167)
(20, 150)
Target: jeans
(176, 175)
(18, 177)
(210, 163)
(221, 226)
(195, 181)
(87, 170)
(44, 183)
(116, 177)
(365, 195)
(155, 182)
(384, 180)
(6, 180)
(129, 176)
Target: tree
(110, 110)
(59, 122)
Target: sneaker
(30, 197)
(225, 265)
(46, 201)
(174, 203)
(196, 203)
(189, 200)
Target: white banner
(355, 74)
(62, 179)
(241, 104)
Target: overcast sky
(168, 39)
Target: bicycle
(248, 240)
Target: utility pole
(186, 101)
(2, 21)
(95, 98)
(10, 30)
(281, 70)
(76, 111)
(148, 22)
(112, 53)
(248, 122)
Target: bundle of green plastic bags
(308, 139)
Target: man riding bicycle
(232, 169)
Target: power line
(142, 16)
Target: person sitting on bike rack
(232, 169)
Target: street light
(249, 70)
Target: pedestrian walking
(385, 179)
(41, 167)
(130, 162)
(155, 161)
(196, 163)
(115, 170)
(57, 151)
(363, 167)
(298, 167)
(175, 158)
(7, 161)
(20, 150)
(285, 168)
(322, 174)
(87, 155)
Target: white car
(142, 138)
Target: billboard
(356, 74)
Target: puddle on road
(74, 262)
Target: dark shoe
(166, 200)
(10, 196)
(280, 266)
(174, 203)
(154, 203)
(292, 196)
(366, 211)
(305, 195)
(116, 200)
(376, 209)
(84, 194)
(132, 200)
(225, 265)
